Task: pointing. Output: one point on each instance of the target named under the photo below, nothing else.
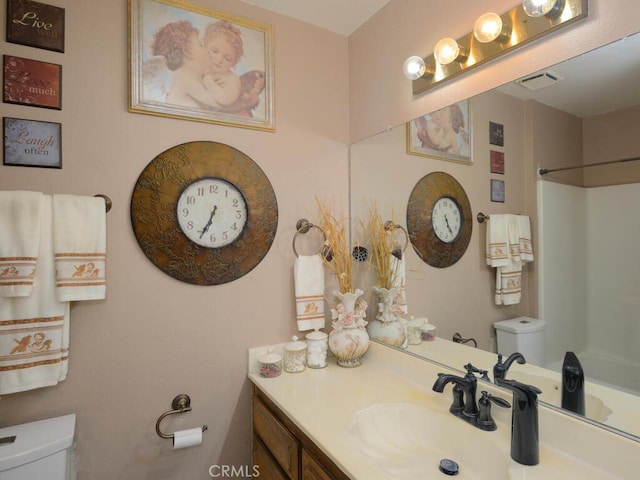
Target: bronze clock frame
(424, 240)
(155, 223)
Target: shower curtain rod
(544, 171)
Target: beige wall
(155, 337)
(612, 136)
(557, 142)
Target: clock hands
(448, 226)
(210, 222)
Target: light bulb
(488, 27)
(446, 51)
(540, 8)
(414, 67)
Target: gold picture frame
(191, 62)
(444, 134)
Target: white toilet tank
(40, 450)
(524, 335)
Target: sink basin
(595, 408)
(408, 441)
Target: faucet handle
(471, 370)
(485, 421)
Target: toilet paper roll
(187, 438)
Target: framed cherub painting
(188, 61)
(444, 134)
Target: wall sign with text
(35, 24)
(30, 143)
(30, 82)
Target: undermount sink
(595, 408)
(409, 441)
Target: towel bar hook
(107, 201)
(389, 226)
(304, 226)
(481, 217)
(180, 404)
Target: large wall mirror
(585, 279)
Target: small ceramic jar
(317, 349)
(414, 331)
(428, 332)
(295, 356)
(270, 365)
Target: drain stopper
(448, 467)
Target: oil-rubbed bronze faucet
(500, 369)
(464, 404)
(524, 422)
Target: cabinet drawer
(311, 469)
(278, 440)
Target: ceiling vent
(539, 80)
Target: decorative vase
(349, 340)
(389, 327)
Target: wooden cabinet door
(265, 463)
(311, 469)
(277, 439)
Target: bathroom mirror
(460, 298)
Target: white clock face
(211, 212)
(446, 219)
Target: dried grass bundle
(341, 263)
(383, 246)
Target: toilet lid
(520, 325)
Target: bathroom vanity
(282, 449)
(383, 421)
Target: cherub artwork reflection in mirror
(444, 134)
(195, 63)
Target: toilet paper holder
(180, 404)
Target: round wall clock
(204, 213)
(439, 219)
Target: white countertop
(323, 402)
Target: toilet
(41, 449)
(524, 335)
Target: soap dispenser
(573, 397)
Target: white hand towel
(508, 247)
(398, 267)
(19, 241)
(308, 272)
(509, 284)
(80, 244)
(34, 330)
(526, 244)
(497, 243)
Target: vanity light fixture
(491, 38)
(543, 8)
(448, 51)
(490, 27)
(414, 68)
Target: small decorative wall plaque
(496, 134)
(35, 24)
(497, 162)
(30, 82)
(497, 190)
(30, 143)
